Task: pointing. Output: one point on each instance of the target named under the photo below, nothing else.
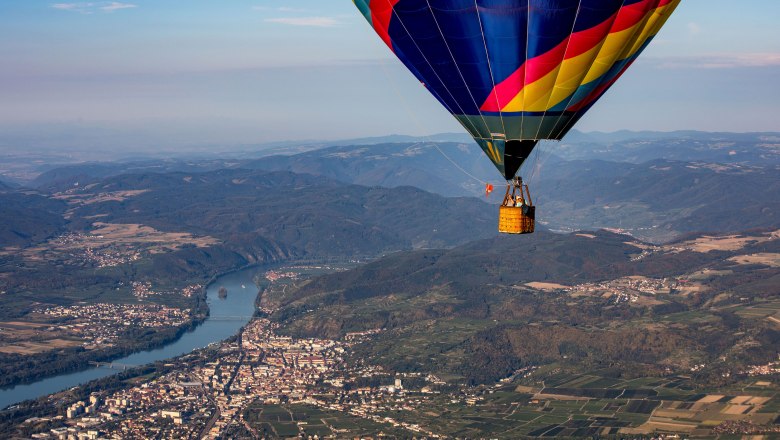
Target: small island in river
(222, 292)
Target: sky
(244, 71)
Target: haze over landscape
(160, 74)
(248, 220)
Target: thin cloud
(115, 6)
(93, 7)
(282, 9)
(722, 61)
(306, 21)
(694, 28)
(64, 6)
(287, 9)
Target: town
(212, 395)
(262, 383)
(244, 387)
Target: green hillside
(312, 215)
(28, 218)
(485, 309)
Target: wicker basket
(511, 219)
(517, 212)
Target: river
(226, 317)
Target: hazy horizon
(166, 139)
(256, 72)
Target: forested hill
(425, 165)
(541, 256)
(28, 218)
(589, 301)
(716, 183)
(658, 200)
(657, 186)
(70, 176)
(312, 215)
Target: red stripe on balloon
(381, 14)
(577, 44)
(629, 16)
(586, 40)
(540, 66)
(504, 92)
(596, 94)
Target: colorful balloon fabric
(516, 71)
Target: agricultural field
(296, 419)
(769, 311)
(112, 244)
(571, 405)
(708, 243)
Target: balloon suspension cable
(516, 182)
(413, 117)
(458, 70)
(458, 166)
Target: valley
(158, 262)
(615, 360)
(643, 313)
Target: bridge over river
(112, 365)
(230, 318)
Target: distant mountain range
(373, 165)
(658, 200)
(750, 149)
(756, 149)
(430, 166)
(654, 185)
(71, 176)
(311, 215)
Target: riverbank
(34, 368)
(54, 364)
(223, 320)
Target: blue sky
(263, 70)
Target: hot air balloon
(514, 72)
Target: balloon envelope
(516, 71)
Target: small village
(628, 289)
(764, 370)
(109, 257)
(622, 290)
(144, 290)
(83, 248)
(101, 325)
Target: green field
(295, 419)
(644, 406)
